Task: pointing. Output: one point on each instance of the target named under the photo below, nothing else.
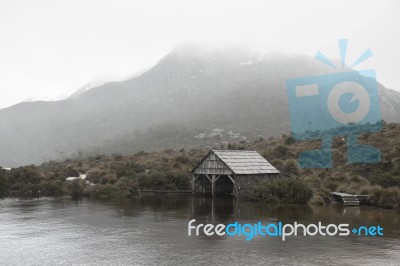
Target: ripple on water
(153, 231)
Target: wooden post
(213, 185)
(193, 209)
(235, 190)
(212, 211)
(193, 179)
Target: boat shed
(230, 172)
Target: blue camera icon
(338, 104)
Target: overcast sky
(50, 48)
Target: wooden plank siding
(230, 172)
(212, 165)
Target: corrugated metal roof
(245, 162)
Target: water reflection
(152, 230)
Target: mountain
(192, 90)
(81, 91)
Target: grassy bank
(123, 175)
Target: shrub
(180, 179)
(386, 180)
(291, 167)
(289, 141)
(324, 193)
(317, 200)
(281, 151)
(106, 191)
(386, 197)
(3, 183)
(52, 188)
(72, 172)
(158, 180)
(76, 188)
(284, 190)
(25, 181)
(127, 187)
(95, 175)
(152, 180)
(130, 169)
(183, 159)
(313, 180)
(278, 163)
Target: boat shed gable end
(212, 165)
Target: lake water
(152, 230)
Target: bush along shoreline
(282, 190)
(113, 176)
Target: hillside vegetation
(123, 175)
(188, 92)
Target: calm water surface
(152, 230)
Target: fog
(49, 49)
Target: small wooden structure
(346, 199)
(230, 172)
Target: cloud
(50, 47)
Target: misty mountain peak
(192, 89)
(81, 91)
